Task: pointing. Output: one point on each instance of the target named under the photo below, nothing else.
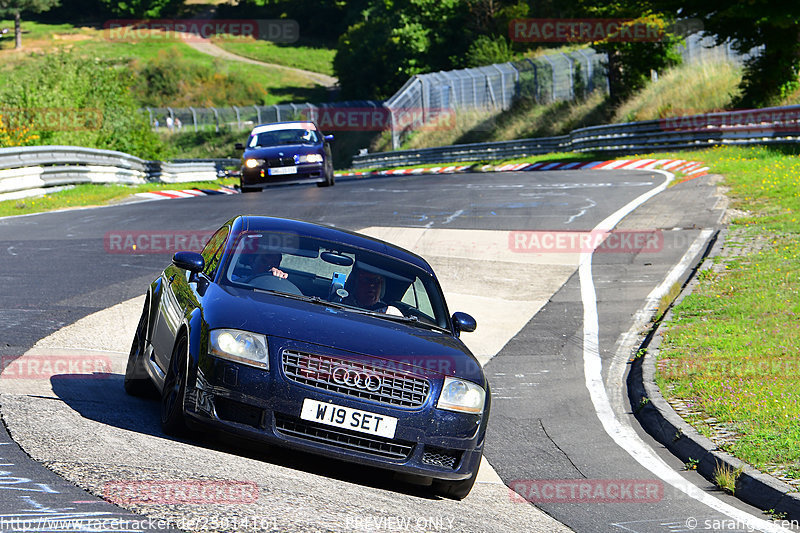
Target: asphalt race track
(554, 336)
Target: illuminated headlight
(240, 346)
(253, 163)
(310, 158)
(462, 396)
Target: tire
(172, 396)
(249, 189)
(455, 490)
(137, 381)
(330, 179)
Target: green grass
(222, 89)
(88, 194)
(33, 32)
(731, 351)
(688, 89)
(311, 58)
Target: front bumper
(259, 177)
(265, 406)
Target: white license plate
(348, 418)
(279, 171)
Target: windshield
(342, 275)
(280, 137)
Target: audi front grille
(355, 378)
(342, 438)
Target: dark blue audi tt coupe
(316, 339)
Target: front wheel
(137, 382)
(172, 396)
(330, 178)
(455, 490)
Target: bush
(170, 79)
(487, 51)
(64, 99)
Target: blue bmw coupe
(284, 153)
(316, 339)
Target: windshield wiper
(406, 319)
(302, 297)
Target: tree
(772, 73)
(15, 8)
(141, 8)
(395, 39)
(631, 60)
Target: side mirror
(328, 138)
(464, 322)
(239, 146)
(191, 261)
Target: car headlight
(253, 163)
(462, 396)
(309, 158)
(240, 346)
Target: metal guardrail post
(258, 113)
(216, 119)
(552, 78)
(194, 118)
(589, 73)
(238, 118)
(395, 133)
(571, 71)
(502, 87)
(491, 93)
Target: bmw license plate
(280, 171)
(348, 418)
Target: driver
(268, 262)
(367, 294)
(258, 262)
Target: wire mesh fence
(238, 118)
(425, 98)
(545, 79)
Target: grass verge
(202, 79)
(730, 353)
(311, 58)
(90, 194)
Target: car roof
(289, 125)
(329, 233)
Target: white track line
(621, 432)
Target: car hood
(428, 351)
(288, 150)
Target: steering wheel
(270, 282)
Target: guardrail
(776, 125)
(34, 169)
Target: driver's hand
(278, 273)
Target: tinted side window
(212, 253)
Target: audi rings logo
(359, 379)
